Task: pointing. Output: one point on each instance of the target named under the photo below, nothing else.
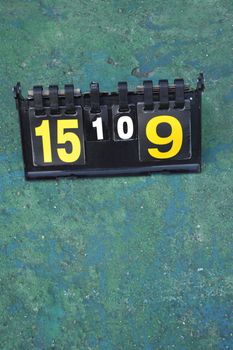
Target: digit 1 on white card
(98, 124)
(127, 121)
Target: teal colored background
(117, 263)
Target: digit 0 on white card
(124, 124)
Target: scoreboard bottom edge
(104, 172)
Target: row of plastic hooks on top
(148, 95)
(69, 95)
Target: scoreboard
(70, 133)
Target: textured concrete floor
(118, 263)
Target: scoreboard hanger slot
(69, 99)
(163, 94)
(179, 93)
(53, 99)
(38, 100)
(123, 96)
(94, 97)
(148, 95)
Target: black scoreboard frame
(111, 156)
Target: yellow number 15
(62, 137)
(176, 136)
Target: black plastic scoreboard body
(69, 133)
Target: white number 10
(127, 121)
(124, 121)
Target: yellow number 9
(176, 136)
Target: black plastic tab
(38, 99)
(53, 98)
(69, 99)
(17, 90)
(148, 94)
(95, 97)
(17, 94)
(123, 96)
(201, 82)
(179, 93)
(163, 94)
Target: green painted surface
(117, 263)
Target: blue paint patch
(147, 346)
(49, 322)
(173, 211)
(219, 32)
(17, 23)
(96, 250)
(216, 313)
(148, 62)
(154, 27)
(216, 72)
(3, 156)
(229, 96)
(16, 307)
(210, 154)
(151, 57)
(106, 344)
